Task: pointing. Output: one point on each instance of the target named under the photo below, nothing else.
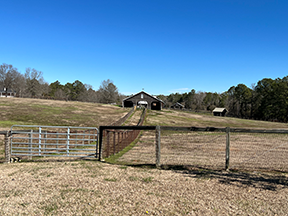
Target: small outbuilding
(7, 93)
(178, 105)
(143, 99)
(220, 111)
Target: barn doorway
(155, 105)
(128, 104)
(142, 104)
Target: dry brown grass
(94, 188)
(134, 119)
(182, 118)
(25, 111)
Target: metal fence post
(7, 148)
(68, 140)
(30, 144)
(45, 146)
(57, 141)
(39, 152)
(158, 141)
(227, 148)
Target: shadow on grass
(268, 180)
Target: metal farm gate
(54, 141)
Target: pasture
(130, 184)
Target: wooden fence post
(114, 142)
(108, 146)
(118, 142)
(158, 150)
(7, 148)
(227, 148)
(100, 142)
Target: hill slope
(25, 111)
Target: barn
(143, 99)
(220, 111)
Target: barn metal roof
(3, 90)
(179, 104)
(144, 93)
(219, 109)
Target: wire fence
(124, 118)
(212, 148)
(259, 151)
(201, 149)
(117, 139)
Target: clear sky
(163, 46)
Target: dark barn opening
(128, 104)
(156, 105)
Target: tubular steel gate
(54, 141)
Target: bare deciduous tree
(10, 78)
(108, 92)
(34, 80)
(60, 95)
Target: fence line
(214, 147)
(124, 118)
(117, 140)
(243, 148)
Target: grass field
(207, 150)
(24, 111)
(95, 188)
(182, 118)
(83, 187)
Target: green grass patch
(123, 167)
(110, 179)
(50, 208)
(127, 120)
(133, 178)
(5, 104)
(148, 179)
(8, 124)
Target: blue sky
(162, 46)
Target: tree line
(32, 84)
(266, 100)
